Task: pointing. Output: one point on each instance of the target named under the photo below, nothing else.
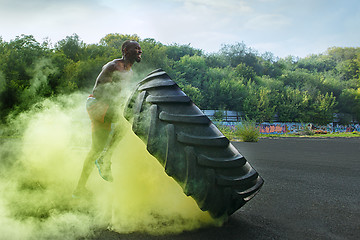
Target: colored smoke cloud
(41, 166)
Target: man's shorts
(99, 114)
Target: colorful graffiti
(347, 128)
(281, 128)
(294, 128)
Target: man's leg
(103, 162)
(116, 134)
(99, 138)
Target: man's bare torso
(107, 73)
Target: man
(102, 109)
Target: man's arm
(105, 76)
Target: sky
(282, 27)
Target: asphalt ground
(311, 191)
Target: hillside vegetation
(235, 78)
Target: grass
(228, 132)
(247, 131)
(235, 133)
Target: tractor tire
(190, 147)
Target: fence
(227, 116)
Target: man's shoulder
(110, 65)
(113, 65)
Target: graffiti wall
(347, 128)
(282, 128)
(232, 120)
(293, 128)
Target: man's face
(133, 52)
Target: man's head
(131, 51)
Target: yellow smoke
(36, 188)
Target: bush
(228, 131)
(248, 131)
(307, 132)
(218, 115)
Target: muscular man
(102, 107)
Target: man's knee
(99, 138)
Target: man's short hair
(126, 44)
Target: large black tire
(190, 147)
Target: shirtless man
(102, 109)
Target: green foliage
(194, 94)
(239, 53)
(248, 131)
(191, 70)
(228, 132)
(175, 51)
(322, 109)
(219, 115)
(317, 63)
(154, 55)
(244, 71)
(257, 103)
(307, 132)
(115, 40)
(350, 102)
(236, 78)
(72, 47)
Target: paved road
(311, 191)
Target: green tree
(216, 60)
(317, 63)
(348, 69)
(191, 70)
(223, 91)
(243, 71)
(292, 105)
(154, 55)
(18, 56)
(257, 104)
(176, 51)
(195, 94)
(115, 40)
(240, 53)
(72, 47)
(323, 109)
(349, 102)
(342, 54)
